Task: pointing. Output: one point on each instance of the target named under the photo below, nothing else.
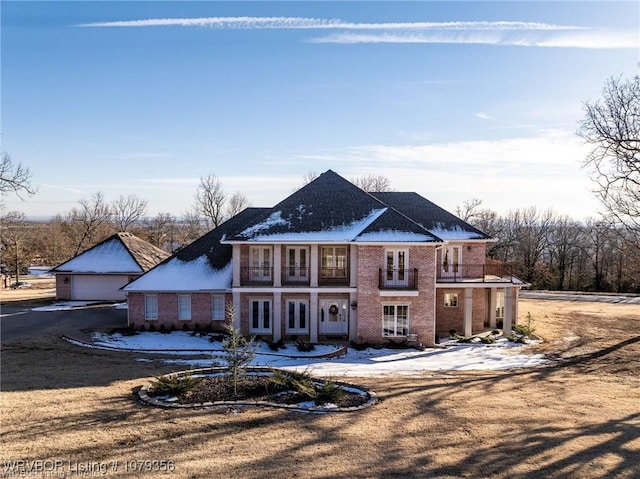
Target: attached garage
(98, 273)
(103, 287)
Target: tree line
(544, 249)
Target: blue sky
(453, 100)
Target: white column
(235, 259)
(493, 299)
(314, 319)
(237, 308)
(353, 266)
(353, 317)
(277, 265)
(508, 311)
(277, 316)
(468, 312)
(313, 266)
(517, 300)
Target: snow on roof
(392, 236)
(455, 233)
(274, 219)
(178, 275)
(346, 232)
(111, 256)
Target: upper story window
(334, 262)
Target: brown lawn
(577, 418)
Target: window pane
(255, 314)
(217, 307)
(184, 307)
(151, 307)
(266, 315)
(303, 316)
(292, 315)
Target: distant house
(100, 272)
(332, 261)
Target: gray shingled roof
(432, 217)
(330, 205)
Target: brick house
(329, 262)
(100, 272)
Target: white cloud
(321, 23)
(542, 170)
(589, 39)
(515, 33)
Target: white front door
(333, 316)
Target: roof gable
(331, 208)
(120, 253)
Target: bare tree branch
(127, 211)
(14, 177)
(210, 199)
(372, 183)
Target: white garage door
(98, 287)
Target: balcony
(256, 276)
(476, 273)
(398, 279)
(295, 276)
(333, 277)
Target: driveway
(19, 322)
(591, 297)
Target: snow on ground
(450, 356)
(64, 305)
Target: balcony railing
(295, 276)
(482, 273)
(398, 279)
(333, 277)
(261, 275)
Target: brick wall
(370, 303)
(168, 312)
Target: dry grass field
(576, 418)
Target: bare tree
(127, 211)
(210, 199)
(13, 237)
(469, 209)
(14, 177)
(88, 223)
(612, 128)
(161, 230)
(237, 203)
(372, 183)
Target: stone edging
(143, 394)
(341, 351)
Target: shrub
(487, 339)
(359, 346)
(142, 329)
(173, 384)
(152, 327)
(525, 329)
(303, 346)
(328, 392)
(462, 339)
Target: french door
(260, 263)
(297, 269)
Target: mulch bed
(254, 388)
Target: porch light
(354, 305)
